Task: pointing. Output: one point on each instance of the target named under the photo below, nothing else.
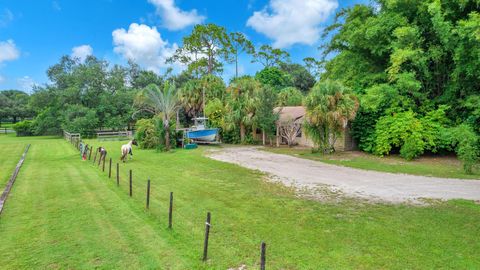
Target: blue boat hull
(206, 135)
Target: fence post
(170, 211)
(262, 256)
(148, 194)
(207, 234)
(110, 169)
(90, 154)
(95, 157)
(118, 176)
(130, 183)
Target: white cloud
(288, 22)
(173, 17)
(81, 52)
(2, 79)
(8, 51)
(6, 17)
(144, 45)
(25, 83)
(56, 6)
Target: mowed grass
(66, 213)
(436, 166)
(11, 153)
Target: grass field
(437, 166)
(66, 213)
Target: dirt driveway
(351, 182)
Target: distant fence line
(5, 130)
(77, 143)
(101, 135)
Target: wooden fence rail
(10, 183)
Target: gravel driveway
(351, 182)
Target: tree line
(403, 74)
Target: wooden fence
(10, 183)
(208, 225)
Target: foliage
(301, 78)
(215, 111)
(329, 108)
(79, 119)
(363, 129)
(465, 142)
(91, 90)
(265, 118)
(274, 77)
(270, 57)
(241, 104)
(289, 96)
(204, 49)
(48, 122)
(146, 134)
(150, 134)
(404, 59)
(24, 128)
(239, 44)
(14, 105)
(162, 102)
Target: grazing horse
(127, 149)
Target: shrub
(464, 141)
(146, 134)
(395, 130)
(48, 123)
(24, 128)
(151, 135)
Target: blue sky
(34, 34)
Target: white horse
(127, 149)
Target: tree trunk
(166, 126)
(263, 136)
(242, 132)
(14, 119)
(236, 66)
(210, 64)
(277, 138)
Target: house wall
(344, 142)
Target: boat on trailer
(199, 133)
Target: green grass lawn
(438, 166)
(66, 213)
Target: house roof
(290, 113)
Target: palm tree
(241, 105)
(162, 101)
(329, 107)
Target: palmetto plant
(329, 107)
(161, 101)
(241, 104)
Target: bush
(24, 128)
(464, 141)
(48, 123)
(150, 134)
(146, 134)
(395, 130)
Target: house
(290, 124)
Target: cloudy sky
(34, 34)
